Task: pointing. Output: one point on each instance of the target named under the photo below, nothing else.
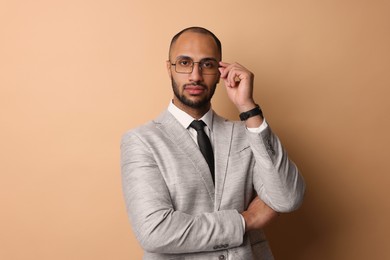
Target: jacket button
(221, 257)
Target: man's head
(194, 54)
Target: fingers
(233, 73)
(238, 83)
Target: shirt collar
(185, 119)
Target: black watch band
(253, 112)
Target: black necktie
(204, 144)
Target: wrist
(254, 122)
(246, 216)
(255, 111)
(246, 107)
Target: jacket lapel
(222, 142)
(182, 140)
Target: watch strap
(253, 112)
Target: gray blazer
(175, 210)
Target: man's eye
(185, 63)
(208, 64)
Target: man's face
(193, 90)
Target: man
(205, 192)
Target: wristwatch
(253, 112)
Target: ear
(169, 66)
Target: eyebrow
(188, 57)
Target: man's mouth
(194, 89)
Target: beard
(205, 101)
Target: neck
(196, 113)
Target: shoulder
(138, 133)
(150, 130)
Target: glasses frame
(193, 64)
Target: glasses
(207, 66)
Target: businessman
(198, 186)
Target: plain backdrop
(76, 74)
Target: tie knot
(198, 125)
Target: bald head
(199, 30)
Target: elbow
(292, 205)
(288, 206)
(151, 242)
(294, 201)
(150, 246)
(294, 197)
(159, 242)
(154, 235)
(291, 202)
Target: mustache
(195, 84)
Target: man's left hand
(239, 85)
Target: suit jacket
(175, 210)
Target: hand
(239, 85)
(258, 215)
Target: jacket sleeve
(157, 225)
(276, 178)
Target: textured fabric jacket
(175, 210)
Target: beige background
(75, 75)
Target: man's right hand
(258, 215)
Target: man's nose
(196, 74)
